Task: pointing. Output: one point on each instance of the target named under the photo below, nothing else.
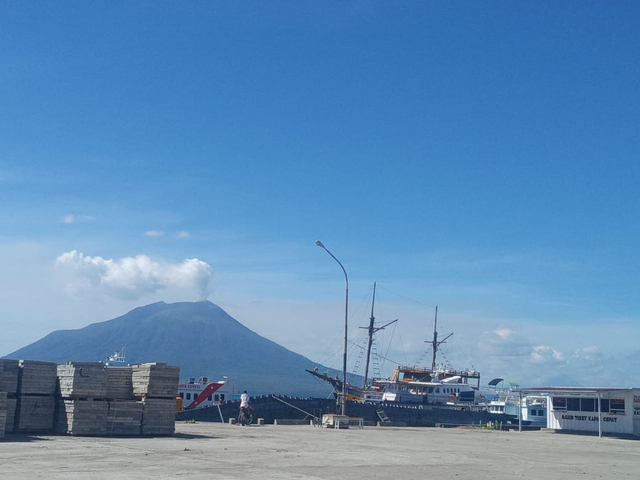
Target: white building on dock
(599, 410)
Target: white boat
(204, 393)
(532, 410)
(449, 390)
(116, 359)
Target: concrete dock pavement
(222, 451)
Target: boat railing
(445, 371)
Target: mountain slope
(200, 337)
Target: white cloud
(131, 277)
(503, 332)
(183, 234)
(154, 233)
(71, 218)
(505, 343)
(587, 352)
(547, 355)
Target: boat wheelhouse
(439, 392)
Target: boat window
(438, 390)
(559, 403)
(534, 413)
(541, 413)
(604, 405)
(430, 389)
(188, 396)
(181, 394)
(209, 398)
(217, 397)
(222, 397)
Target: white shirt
(244, 400)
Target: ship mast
(435, 343)
(372, 330)
(371, 320)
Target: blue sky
(482, 156)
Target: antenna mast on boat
(372, 330)
(435, 343)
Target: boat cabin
(416, 374)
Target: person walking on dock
(245, 416)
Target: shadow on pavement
(21, 438)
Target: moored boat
(203, 393)
(433, 395)
(530, 410)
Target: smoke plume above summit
(131, 277)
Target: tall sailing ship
(437, 384)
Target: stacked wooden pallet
(124, 417)
(84, 416)
(35, 413)
(82, 380)
(12, 405)
(9, 376)
(119, 383)
(156, 380)
(91, 399)
(125, 413)
(158, 416)
(37, 378)
(156, 386)
(9, 370)
(82, 406)
(3, 412)
(35, 398)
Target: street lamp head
(319, 243)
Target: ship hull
(271, 409)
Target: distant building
(599, 410)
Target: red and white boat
(204, 393)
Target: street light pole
(343, 397)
